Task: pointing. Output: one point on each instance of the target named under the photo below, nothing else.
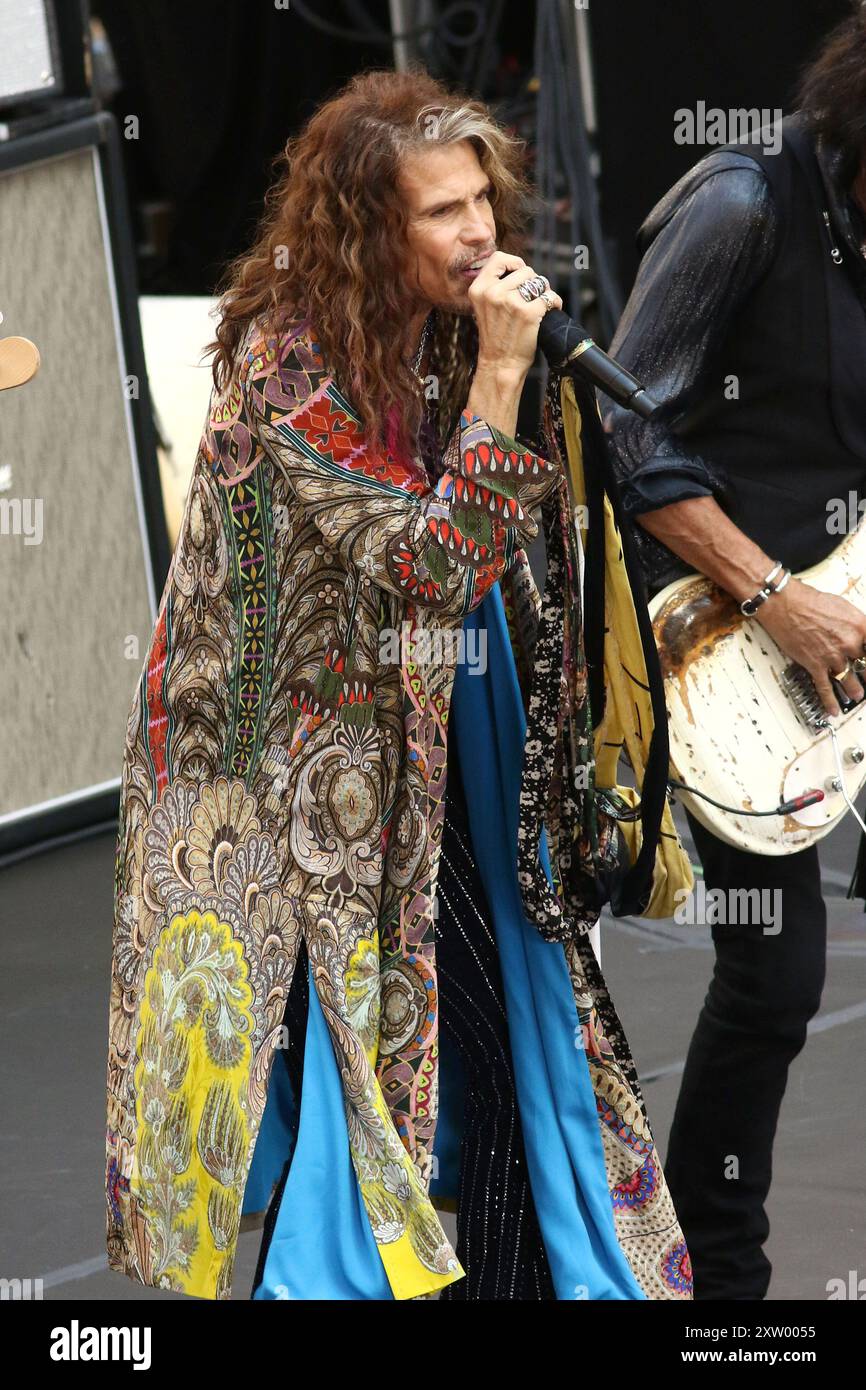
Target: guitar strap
(628, 890)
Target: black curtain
(652, 58)
(218, 88)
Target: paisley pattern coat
(284, 778)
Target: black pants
(764, 990)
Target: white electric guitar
(746, 723)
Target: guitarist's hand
(819, 631)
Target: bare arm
(495, 396)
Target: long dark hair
(832, 90)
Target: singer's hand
(507, 324)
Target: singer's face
(450, 225)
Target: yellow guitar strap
(628, 723)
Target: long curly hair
(832, 89)
(330, 247)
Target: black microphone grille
(558, 335)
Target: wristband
(750, 606)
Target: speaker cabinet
(83, 545)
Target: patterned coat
(284, 778)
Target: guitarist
(748, 322)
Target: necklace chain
(422, 346)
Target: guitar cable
(785, 808)
(619, 809)
(798, 802)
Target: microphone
(566, 343)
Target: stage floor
(55, 911)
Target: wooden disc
(19, 361)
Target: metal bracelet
(779, 587)
(750, 606)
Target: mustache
(479, 255)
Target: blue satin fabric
(276, 1139)
(554, 1091)
(322, 1246)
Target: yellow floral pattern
(195, 1133)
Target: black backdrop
(219, 85)
(653, 56)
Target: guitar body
(742, 716)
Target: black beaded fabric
(499, 1243)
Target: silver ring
(532, 288)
